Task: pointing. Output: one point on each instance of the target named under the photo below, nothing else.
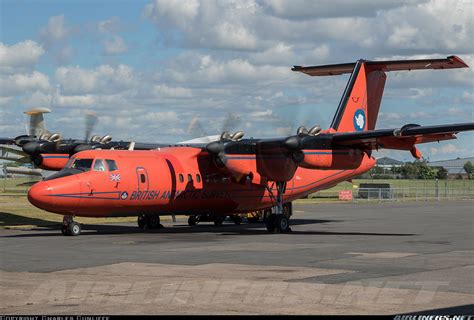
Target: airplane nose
(40, 195)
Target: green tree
(418, 169)
(442, 173)
(468, 167)
(424, 170)
(409, 171)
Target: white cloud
(163, 90)
(197, 68)
(55, 30)
(116, 45)
(310, 9)
(20, 56)
(110, 25)
(103, 79)
(216, 24)
(178, 12)
(19, 83)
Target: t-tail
(359, 106)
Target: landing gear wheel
(74, 229)
(282, 224)
(218, 220)
(270, 223)
(142, 222)
(192, 221)
(237, 220)
(153, 221)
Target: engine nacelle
(332, 159)
(53, 162)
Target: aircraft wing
(404, 138)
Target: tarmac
(344, 258)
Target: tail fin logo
(359, 120)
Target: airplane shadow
(227, 229)
(11, 219)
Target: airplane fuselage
(170, 181)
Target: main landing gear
(149, 221)
(277, 220)
(70, 227)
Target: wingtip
(458, 60)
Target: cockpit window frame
(96, 164)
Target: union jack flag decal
(115, 177)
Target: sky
(172, 70)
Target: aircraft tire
(74, 229)
(142, 221)
(219, 220)
(153, 221)
(192, 221)
(282, 224)
(270, 223)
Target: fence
(399, 194)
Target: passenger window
(99, 165)
(198, 178)
(190, 178)
(142, 178)
(112, 165)
(82, 164)
(181, 178)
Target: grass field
(15, 211)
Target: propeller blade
(91, 121)
(231, 122)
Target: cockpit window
(82, 164)
(99, 165)
(111, 164)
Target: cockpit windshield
(82, 164)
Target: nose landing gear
(70, 227)
(149, 221)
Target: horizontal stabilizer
(450, 62)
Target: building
(455, 167)
(388, 163)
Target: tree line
(418, 169)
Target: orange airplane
(235, 175)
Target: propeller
(231, 121)
(94, 141)
(91, 121)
